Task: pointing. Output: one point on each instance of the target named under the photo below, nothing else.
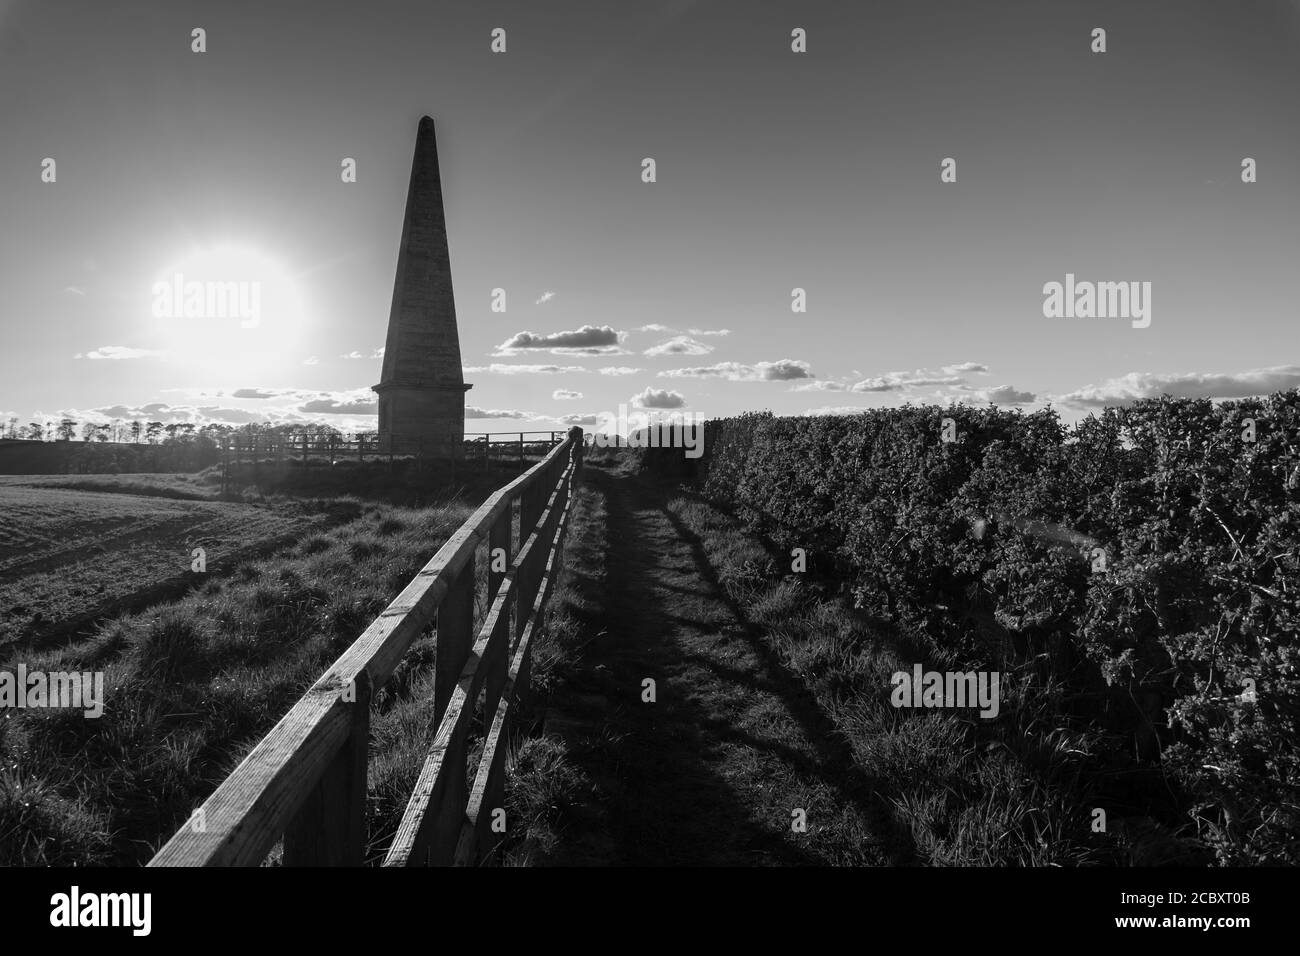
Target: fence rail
(479, 446)
(305, 782)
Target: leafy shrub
(1146, 559)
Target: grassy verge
(545, 786)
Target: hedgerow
(1145, 564)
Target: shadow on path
(711, 772)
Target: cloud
(835, 410)
(820, 386)
(618, 370)
(545, 297)
(498, 368)
(227, 416)
(588, 340)
(378, 353)
(160, 411)
(311, 360)
(1002, 395)
(582, 350)
(119, 352)
(782, 370)
(565, 394)
(893, 381)
(73, 290)
(335, 406)
(352, 355)
(918, 378)
(472, 411)
(1138, 385)
(658, 398)
(583, 419)
(679, 345)
(657, 327)
(116, 411)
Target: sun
(228, 307)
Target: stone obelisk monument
(422, 389)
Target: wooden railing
(480, 444)
(237, 447)
(305, 782)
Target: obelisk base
(426, 421)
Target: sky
(774, 170)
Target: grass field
(201, 486)
(192, 683)
(68, 557)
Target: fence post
(578, 451)
(478, 840)
(531, 502)
(455, 638)
(329, 828)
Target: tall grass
(190, 687)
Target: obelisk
(422, 389)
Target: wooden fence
(305, 782)
(481, 444)
(277, 449)
(237, 448)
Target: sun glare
(228, 307)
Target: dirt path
(712, 772)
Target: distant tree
(102, 431)
(137, 426)
(13, 427)
(36, 430)
(170, 429)
(152, 431)
(67, 428)
(87, 431)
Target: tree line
(309, 435)
(120, 447)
